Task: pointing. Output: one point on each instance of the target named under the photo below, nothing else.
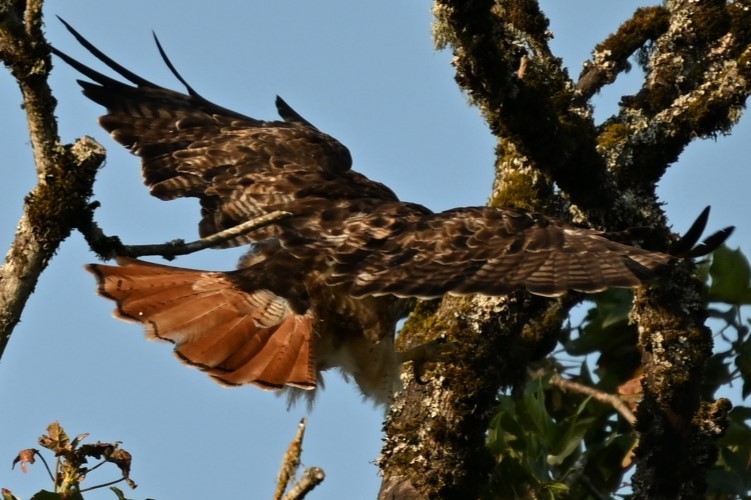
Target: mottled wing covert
(237, 166)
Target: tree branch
(311, 478)
(696, 85)
(291, 461)
(534, 111)
(610, 58)
(65, 173)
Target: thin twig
(101, 462)
(103, 485)
(110, 246)
(604, 397)
(46, 465)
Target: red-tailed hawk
(325, 286)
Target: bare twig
(103, 485)
(46, 465)
(603, 397)
(109, 247)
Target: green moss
(55, 205)
(740, 21)
(648, 23)
(545, 326)
(518, 190)
(422, 325)
(526, 16)
(655, 98)
(710, 20)
(613, 134)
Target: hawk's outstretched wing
(238, 167)
(326, 286)
(479, 250)
(400, 249)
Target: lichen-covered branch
(697, 63)
(676, 447)
(504, 65)
(697, 82)
(312, 477)
(290, 462)
(436, 432)
(65, 173)
(611, 57)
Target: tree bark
(65, 174)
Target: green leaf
(731, 275)
(570, 441)
(606, 324)
(740, 414)
(717, 373)
(743, 362)
(726, 482)
(118, 493)
(47, 495)
(534, 404)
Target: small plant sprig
(71, 464)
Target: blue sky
(365, 72)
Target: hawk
(326, 286)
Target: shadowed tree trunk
(552, 157)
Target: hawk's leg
(437, 350)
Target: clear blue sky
(367, 73)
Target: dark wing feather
(405, 250)
(237, 166)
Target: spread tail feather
(236, 336)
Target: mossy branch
(611, 57)
(504, 65)
(696, 84)
(65, 173)
(547, 138)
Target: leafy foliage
(559, 440)
(731, 277)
